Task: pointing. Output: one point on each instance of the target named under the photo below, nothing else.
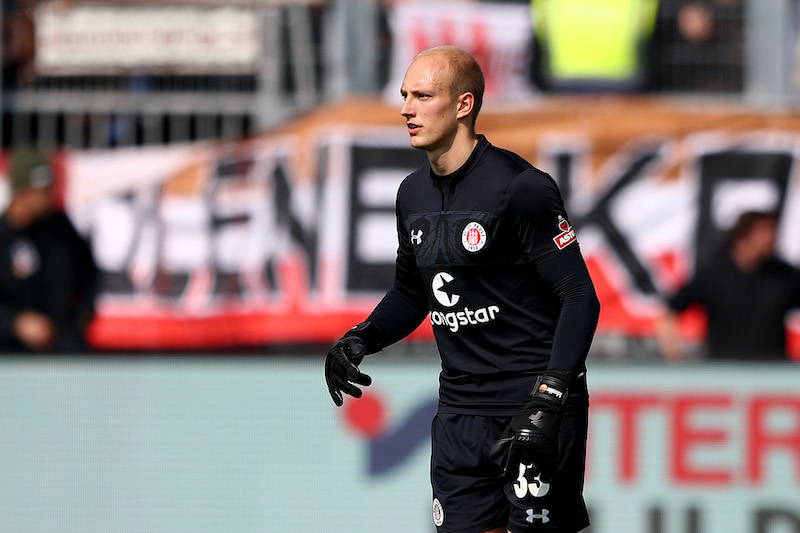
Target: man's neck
(453, 157)
(17, 215)
(747, 260)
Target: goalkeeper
(486, 248)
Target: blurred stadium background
(234, 166)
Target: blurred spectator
(701, 46)
(746, 293)
(592, 45)
(18, 43)
(47, 276)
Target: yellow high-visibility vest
(593, 39)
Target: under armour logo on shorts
(537, 516)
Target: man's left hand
(530, 442)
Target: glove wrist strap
(370, 335)
(553, 386)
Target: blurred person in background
(18, 43)
(746, 292)
(47, 273)
(701, 46)
(485, 247)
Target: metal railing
(315, 52)
(309, 56)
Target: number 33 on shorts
(522, 487)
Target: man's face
(429, 108)
(762, 238)
(38, 202)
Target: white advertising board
(255, 445)
(94, 39)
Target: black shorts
(470, 494)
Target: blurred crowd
(633, 45)
(47, 276)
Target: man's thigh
(468, 492)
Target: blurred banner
(254, 445)
(102, 39)
(498, 35)
(290, 237)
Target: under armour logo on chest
(416, 236)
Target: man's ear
(466, 102)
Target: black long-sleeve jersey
(488, 252)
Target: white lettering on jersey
(455, 319)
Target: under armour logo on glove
(537, 516)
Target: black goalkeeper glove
(530, 442)
(341, 364)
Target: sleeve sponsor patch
(567, 235)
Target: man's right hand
(341, 365)
(35, 330)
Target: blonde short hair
(466, 75)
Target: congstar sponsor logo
(441, 286)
